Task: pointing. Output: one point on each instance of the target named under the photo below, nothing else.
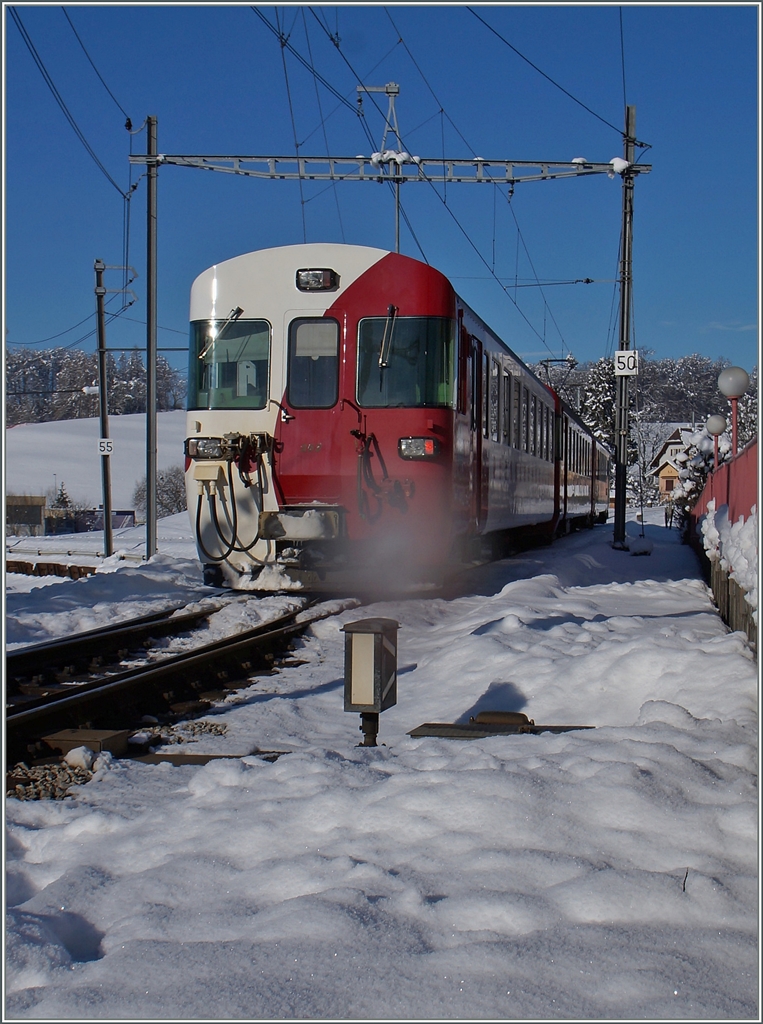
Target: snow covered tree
(647, 438)
(747, 412)
(598, 399)
(696, 462)
(47, 384)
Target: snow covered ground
(602, 874)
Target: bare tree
(170, 493)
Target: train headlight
(204, 447)
(418, 447)
(317, 280)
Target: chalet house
(667, 462)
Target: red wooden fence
(734, 484)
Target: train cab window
(229, 364)
(506, 408)
(541, 430)
(494, 411)
(406, 362)
(313, 366)
(549, 435)
(516, 419)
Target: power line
(301, 59)
(444, 113)
(431, 184)
(283, 40)
(370, 72)
(59, 100)
(54, 336)
(543, 73)
(622, 56)
(323, 125)
(537, 279)
(128, 125)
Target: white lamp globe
(733, 382)
(715, 425)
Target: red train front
(352, 422)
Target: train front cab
(344, 398)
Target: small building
(86, 520)
(667, 462)
(25, 515)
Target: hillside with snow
(39, 456)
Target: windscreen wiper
(386, 342)
(233, 315)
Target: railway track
(38, 669)
(182, 685)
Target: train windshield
(406, 362)
(229, 364)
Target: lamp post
(733, 382)
(715, 426)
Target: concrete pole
(621, 412)
(151, 323)
(100, 291)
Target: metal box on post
(370, 671)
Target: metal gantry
(397, 167)
(402, 167)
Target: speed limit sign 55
(105, 446)
(626, 363)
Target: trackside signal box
(370, 671)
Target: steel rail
(224, 660)
(100, 641)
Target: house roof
(676, 438)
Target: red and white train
(351, 419)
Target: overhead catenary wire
(543, 73)
(335, 41)
(283, 40)
(295, 53)
(128, 125)
(126, 195)
(339, 105)
(59, 99)
(622, 57)
(323, 125)
(442, 200)
(444, 114)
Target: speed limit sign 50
(626, 363)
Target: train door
(307, 449)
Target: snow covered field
(602, 874)
(40, 456)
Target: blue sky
(214, 77)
